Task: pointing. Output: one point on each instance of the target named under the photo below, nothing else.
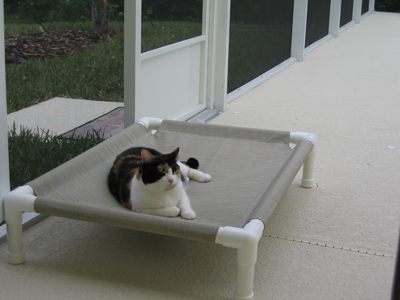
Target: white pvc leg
(246, 241)
(16, 252)
(308, 180)
(246, 259)
(15, 203)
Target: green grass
(92, 74)
(14, 18)
(158, 34)
(34, 152)
(95, 73)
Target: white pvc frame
(245, 239)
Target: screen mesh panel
(346, 13)
(260, 38)
(317, 20)
(168, 22)
(365, 6)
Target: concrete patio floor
(335, 241)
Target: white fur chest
(156, 195)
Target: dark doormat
(108, 125)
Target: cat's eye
(162, 169)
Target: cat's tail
(192, 163)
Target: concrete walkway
(59, 115)
(336, 241)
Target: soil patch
(57, 43)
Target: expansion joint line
(322, 244)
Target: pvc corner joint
(297, 137)
(20, 199)
(150, 123)
(16, 202)
(238, 237)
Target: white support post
(299, 29)
(245, 240)
(4, 165)
(307, 180)
(205, 21)
(371, 6)
(357, 7)
(334, 18)
(16, 202)
(210, 86)
(218, 54)
(132, 58)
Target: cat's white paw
(188, 214)
(173, 211)
(204, 177)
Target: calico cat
(146, 181)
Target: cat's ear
(175, 152)
(146, 156)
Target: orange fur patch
(163, 168)
(116, 167)
(171, 187)
(127, 205)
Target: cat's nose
(171, 180)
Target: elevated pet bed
(251, 170)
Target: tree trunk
(99, 16)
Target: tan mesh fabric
(269, 199)
(250, 168)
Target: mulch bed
(57, 43)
